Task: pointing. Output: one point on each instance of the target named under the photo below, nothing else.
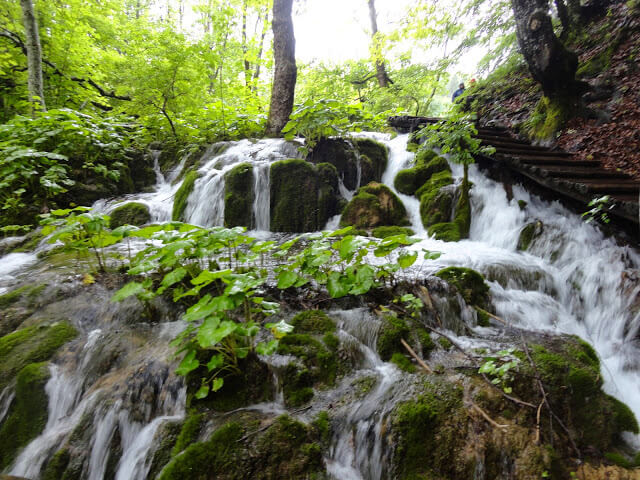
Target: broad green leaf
(215, 362)
(202, 392)
(280, 329)
(188, 363)
(217, 384)
(337, 285)
(406, 259)
(131, 288)
(286, 279)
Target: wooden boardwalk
(553, 171)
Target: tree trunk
(34, 54)
(550, 63)
(285, 74)
(381, 71)
(563, 15)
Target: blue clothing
(457, 93)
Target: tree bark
(381, 71)
(550, 63)
(563, 15)
(34, 54)
(285, 74)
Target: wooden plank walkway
(553, 170)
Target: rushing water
(571, 280)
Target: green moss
(623, 418)
(188, 434)
(447, 232)
(469, 283)
(402, 362)
(426, 342)
(294, 196)
(529, 233)
(313, 321)
(373, 154)
(322, 427)
(445, 343)
(319, 367)
(182, 195)
(426, 434)
(408, 181)
(30, 345)
(435, 183)
(57, 466)
(436, 203)
(26, 292)
(547, 119)
(384, 232)
(392, 331)
(619, 459)
(522, 204)
(341, 154)
(462, 217)
(132, 213)
(425, 155)
(28, 413)
(331, 341)
(483, 318)
(163, 449)
(204, 460)
(238, 196)
(363, 385)
(374, 205)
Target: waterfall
(262, 196)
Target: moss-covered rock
(285, 449)
(529, 233)
(408, 181)
(28, 413)
(436, 201)
(182, 195)
(469, 283)
(374, 205)
(164, 446)
(131, 213)
(29, 345)
(393, 330)
(462, 215)
(238, 196)
(384, 232)
(374, 157)
(303, 196)
(313, 321)
(319, 365)
(547, 119)
(447, 232)
(341, 154)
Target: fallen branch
(538, 423)
(487, 417)
(501, 320)
(415, 356)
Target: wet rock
(408, 181)
(342, 155)
(373, 158)
(239, 196)
(529, 233)
(182, 195)
(374, 205)
(132, 213)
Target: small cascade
(262, 197)
(6, 397)
(205, 206)
(155, 155)
(357, 449)
(12, 264)
(400, 158)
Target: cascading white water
(262, 196)
(6, 397)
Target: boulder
(132, 213)
(238, 196)
(374, 205)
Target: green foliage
(500, 367)
(547, 119)
(42, 158)
(599, 207)
(328, 118)
(469, 283)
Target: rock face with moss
(469, 283)
(350, 155)
(132, 213)
(239, 196)
(182, 195)
(529, 233)
(303, 195)
(28, 413)
(374, 205)
(427, 163)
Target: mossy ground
(182, 195)
(28, 413)
(132, 213)
(546, 120)
(384, 232)
(238, 196)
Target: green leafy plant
(327, 118)
(500, 368)
(600, 207)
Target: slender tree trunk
(34, 54)
(563, 15)
(381, 71)
(245, 47)
(550, 63)
(265, 26)
(285, 74)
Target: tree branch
(17, 41)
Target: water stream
(571, 280)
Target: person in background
(458, 92)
